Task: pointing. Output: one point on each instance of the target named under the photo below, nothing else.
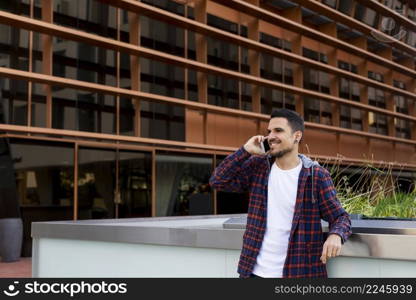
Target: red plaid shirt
(316, 199)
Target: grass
(372, 190)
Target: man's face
(280, 137)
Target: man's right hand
(253, 145)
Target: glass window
(13, 97)
(14, 51)
(84, 62)
(271, 67)
(38, 107)
(83, 110)
(161, 78)
(378, 123)
(222, 54)
(402, 128)
(360, 12)
(371, 17)
(274, 99)
(351, 117)
(331, 3)
(162, 121)
(161, 36)
(18, 7)
(135, 179)
(182, 185)
(89, 15)
(317, 111)
(40, 175)
(223, 91)
(345, 6)
(174, 6)
(96, 183)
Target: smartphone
(265, 146)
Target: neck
(289, 161)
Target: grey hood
(309, 163)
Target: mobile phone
(265, 146)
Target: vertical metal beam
(201, 42)
(201, 50)
(75, 199)
(411, 86)
(254, 61)
(30, 84)
(331, 30)
(47, 57)
(388, 79)
(153, 208)
(295, 14)
(134, 25)
(214, 191)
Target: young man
(289, 194)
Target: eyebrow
(276, 129)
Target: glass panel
(86, 15)
(312, 110)
(331, 3)
(96, 183)
(19, 7)
(135, 179)
(13, 97)
(83, 62)
(85, 111)
(223, 91)
(271, 67)
(222, 54)
(170, 5)
(182, 185)
(162, 121)
(162, 79)
(161, 36)
(345, 6)
(43, 174)
(38, 105)
(14, 52)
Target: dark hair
(293, 118)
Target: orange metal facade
(216, 130)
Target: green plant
(371, 190)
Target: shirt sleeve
(233, 173)
(330, 208)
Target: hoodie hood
(307, 162)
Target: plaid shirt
(316, 199)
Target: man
(289, 194)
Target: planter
(11, 235)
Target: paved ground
(18, 269)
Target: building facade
(122, 108)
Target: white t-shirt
(281, 200)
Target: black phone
(266, 146)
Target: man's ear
(298, 136)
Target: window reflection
(135, 179)
(182, 185)
(13, 101)
(44, 181)
(96, 183)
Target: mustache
(273, 140)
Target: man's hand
(253, 145)
(332, 247)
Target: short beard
(281, 153)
